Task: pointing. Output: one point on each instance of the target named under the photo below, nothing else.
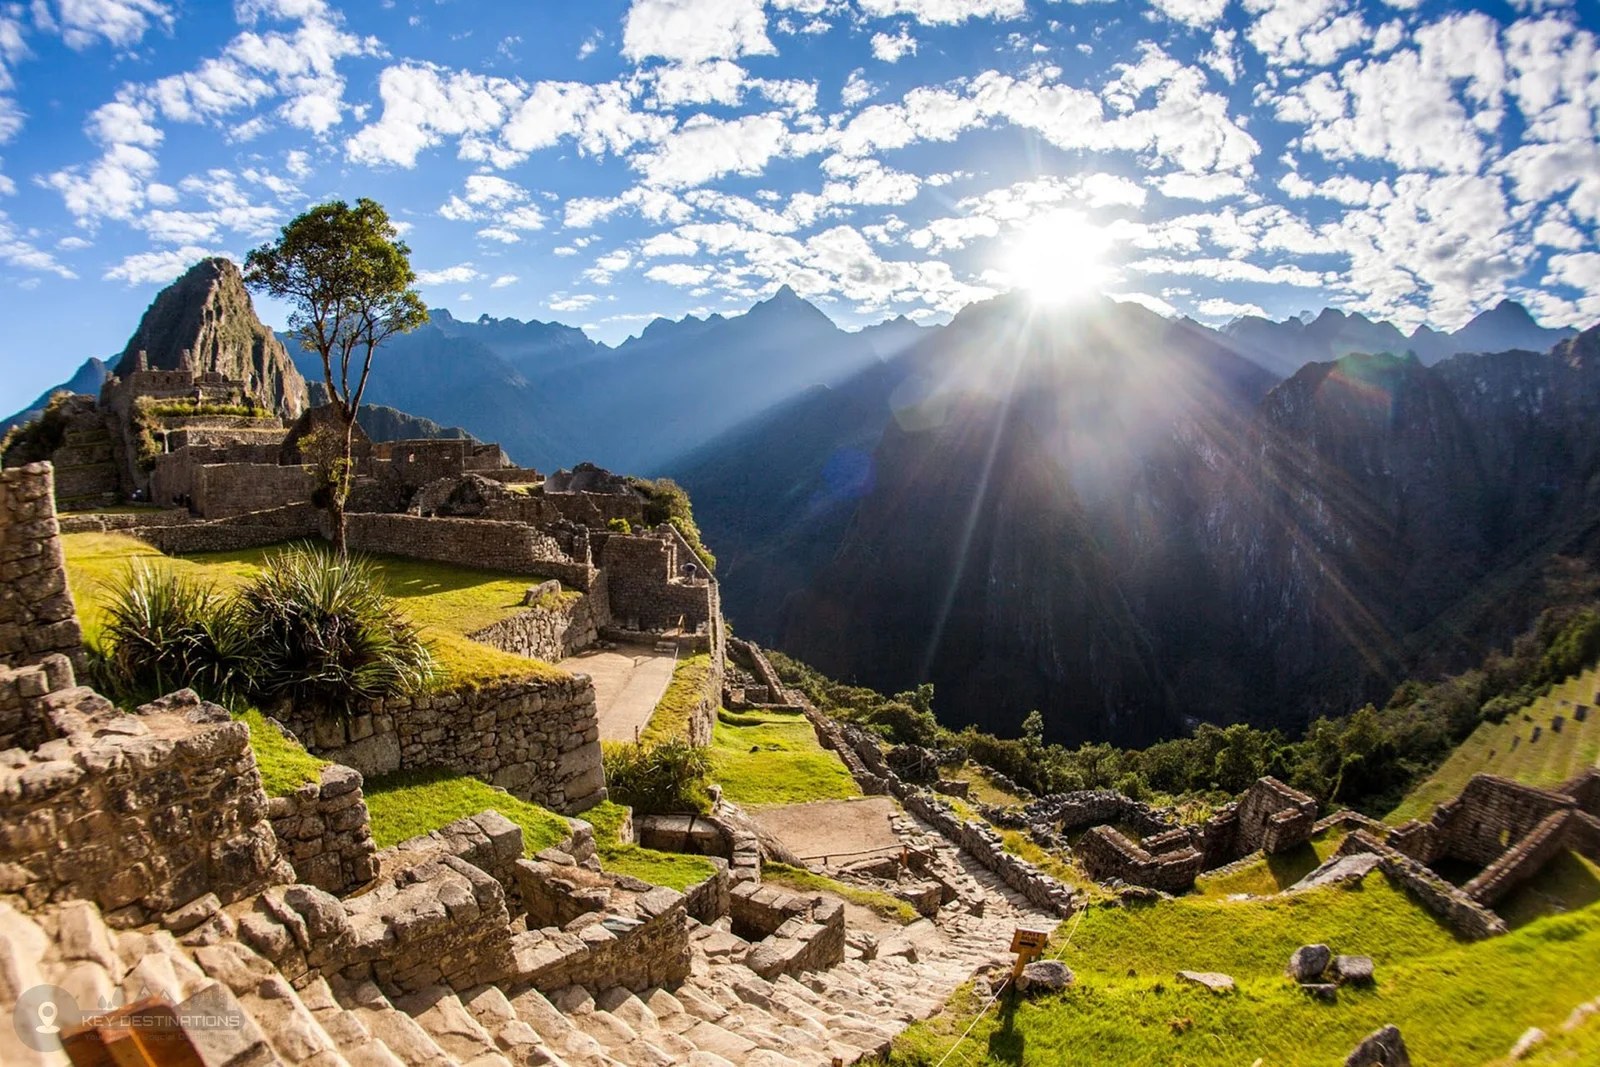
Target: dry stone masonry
(324, 831)
(37, 617)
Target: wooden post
(1028, 943)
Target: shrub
(655, 778)
(666, 501)
(620, 525)
(39, 437)
(323, 634)
(164, 632)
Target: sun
(1057, 258)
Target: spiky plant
(665, 776)
(323, 634)
(163, 631)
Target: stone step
(559, 1032)
(440, 1012)
(406, 1038)
(291, 1030)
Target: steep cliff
(205, 321)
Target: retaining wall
(481, 543)
(325, 832)
(537, 739)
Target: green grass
(1579, 1047)
(1456, 1003)
(673, 869)
(670, 720)
(1551, 760)
(284, 765)
(444, 601)
(874, 900)
(1273, 874)
(1019, 844)
(772, 757)
(407, 804)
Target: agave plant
(323, 634)
(163, 631)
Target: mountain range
(1129, 522)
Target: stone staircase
(724, 1013)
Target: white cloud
(83, 23)
(158, 268)
(857, 89)
(944, 12)
(1206, 187)
(1219, 308)
(704, 148)
(1198, 13)
(680, 274)
(456, 275)
(893, 49)
(693, 31)
(504, 280)
(1303, 31)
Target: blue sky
(606, 162)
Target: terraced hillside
(1529, 746)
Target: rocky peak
(205, 322)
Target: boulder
(535, 592)
(1381, 1048)
(1353, 970)
(1324, 991)
(1216, 982)
(1045, 976)
(1308, 962)
(1531, 1039)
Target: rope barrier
(1076, 919)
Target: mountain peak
(1509, 311)
(206, 322)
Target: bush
(164, 632)
(322, 633)
(620, 525)
(659, 778)
(667, 501)
(39, 437)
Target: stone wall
(37, 617)
(1489, 816)
(646, 590)
(1460, 912)
(140, 813)
(1268, 818)
(325, 833)
(550, 634)
(481, 543)
(1107, 855)
(794, 933)
(604, 930)
(224, 490)
(537, 739)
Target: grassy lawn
(670, 720)
(1273, 874)
(407, 804)
(1507, 748)
(673, 869)
(1567, 883)
(1456, 1003)
(284, 765)
(771, 757)
(804, 881)
(445, 602)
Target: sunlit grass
(445, 602)
(1273, 874)
(1455, 1003)
(675, 870)
(773, 757)
(670, 720)
(1508, 749)
(408, 804)
(874, 900)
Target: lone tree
(348, 277)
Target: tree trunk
(341, 488)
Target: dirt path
(628, 683)
(840, 830)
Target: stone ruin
(145, 873)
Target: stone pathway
(628, 683)
(724, 1014)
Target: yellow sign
(1029, 941)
